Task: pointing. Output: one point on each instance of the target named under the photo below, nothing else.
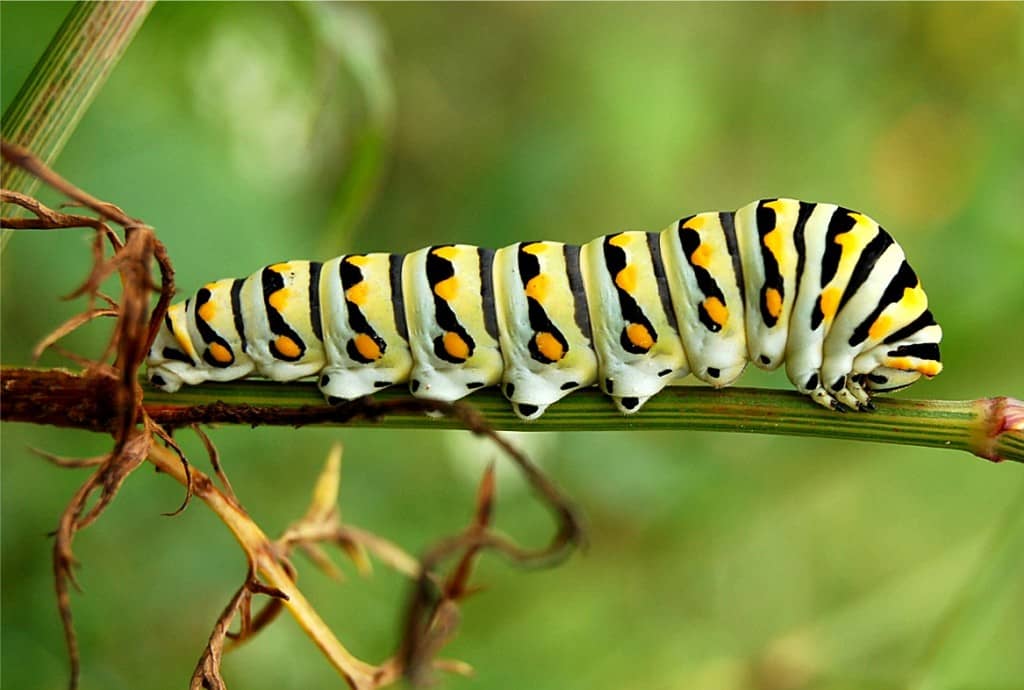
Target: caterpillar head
(903, 362)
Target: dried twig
(432, 620)
(129, 342)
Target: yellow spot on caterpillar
(859, 218)
(208, 311)
(279, 299)
(701, 256)
(447, 289)
(367, 347)
(537, 287)
(928, 367)
(447, 253)
(851, 242)
(773, 301)
(626, 279)
(287, 347)
(830, 302)
(778, 205)
(620, 240)
(696, 223)
(535, 248)
(549, 346)
(914, 299)
(913, 303)
(718, 312)
(881, 328)
(211, 286)
(455, 345)
(901, 363)
(220, 353)
(773, 241)
(281, 267)
(358, 260)
(357, 293)
(639, 336)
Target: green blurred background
(250, 133)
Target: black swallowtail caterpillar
(818, 287)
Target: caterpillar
(820, 288)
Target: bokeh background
(250, 133)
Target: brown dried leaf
(324, 506)
(389, 553)
(358, 554)
(214, 455)
(322, 561)
(71, 463)
(207, 674)
(69, 326)
(112, 473)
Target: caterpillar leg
(531, 395)
(823, 398)
(843, 394)
(527, 411)
(849, 396)
(339, 384)
(802, 368)
(630, 404)
(858, 391)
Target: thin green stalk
(932, 423)
(64, 83)
(965, 425)
(992, 428)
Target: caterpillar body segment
(705, 279)
(210, 319)
(818, 288)
(453, 332)
(767, 236)
(365, 332)
(282, 321)
(634, 326)
(543, 324)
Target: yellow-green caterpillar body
(817, 287)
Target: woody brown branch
(57, 397)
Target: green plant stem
(991, 428)
(65, 81)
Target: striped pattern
(818, 288)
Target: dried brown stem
(259, 550)
(207, 675)
(21, 157)
(46, 218)
(117, 383)
(72, 324)
(214, 455)
(113, 403)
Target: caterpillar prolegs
(817, 287)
